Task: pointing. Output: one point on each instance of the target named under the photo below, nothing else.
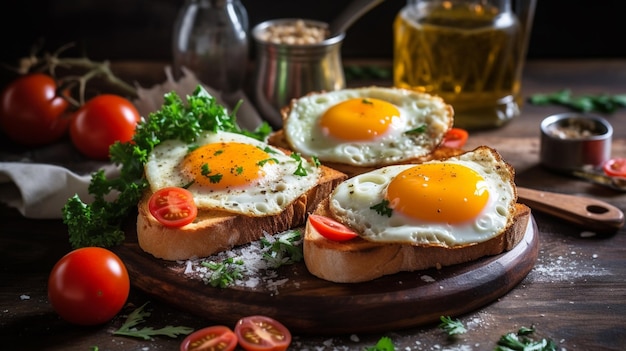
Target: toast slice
(359, 260)
(215, 231)
(278, 139)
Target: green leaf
(521, 341)
(604, 103)
(384, 344)
(138, 316)
(452, 327)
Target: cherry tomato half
(88, 286)
(173, 207)
(102, 121)
(331, 229)
(615, 167)
(214, 338)
(31, 112)
(261, 333)
(455, 138)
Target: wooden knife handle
(591, 213)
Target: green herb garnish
(417, 130)
(384, 344)
(300, 170)
(224, 273)
(382, 208)
(452, 327)
(521, 341)
(99, 223)
(129, 328)
(284, 250)
(585, 103)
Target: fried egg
(371, 126)
(232, 172)
(465, 199)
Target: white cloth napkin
(38, 183)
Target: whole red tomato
(102, 121)
(88, 286)
(31, 112)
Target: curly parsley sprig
(99, 223)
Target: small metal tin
(573, 141)
(288, 71)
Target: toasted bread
(359, 260)
(215, 231)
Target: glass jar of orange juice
(469, 52)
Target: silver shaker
(287, 71)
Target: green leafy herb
(417, 130)
(384, 344)
(316, 161)
(363, 72)
(284, 250)
(224, 273)
(129, 328)
(262, 162)
(521, 341)
(451, 327)
(99, 223)
(382, 208)
(604, 103)
(367, 101)
(300, 170)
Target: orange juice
(469, 54)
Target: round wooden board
(309, 305)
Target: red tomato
(455, 138)
(331, 229)
(88, 286)
(173, 207)
(261, 333)
(615, 167)
(102, 121)
(31, 112)
(215, 338)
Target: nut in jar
(293, 58)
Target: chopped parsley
(367, 101)
(223, 273)
(263, 162)
(384, 344)
(452, 327)
(382, 208)
(283, 251)
(417, 130)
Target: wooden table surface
(575, 294)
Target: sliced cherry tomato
(31, 112)
(261, 333)
(214, 338)
(455, 138)
(88, 286)
(102, 121)
(173, 207)
(615, 167)
(331, 229)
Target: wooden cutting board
(309, 305)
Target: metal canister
(575, 141)
(288, 71)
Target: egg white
(269, 196)
(352, 200)
(302, 131)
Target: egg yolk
(439, 192)
(225, 165)
(358, 119)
